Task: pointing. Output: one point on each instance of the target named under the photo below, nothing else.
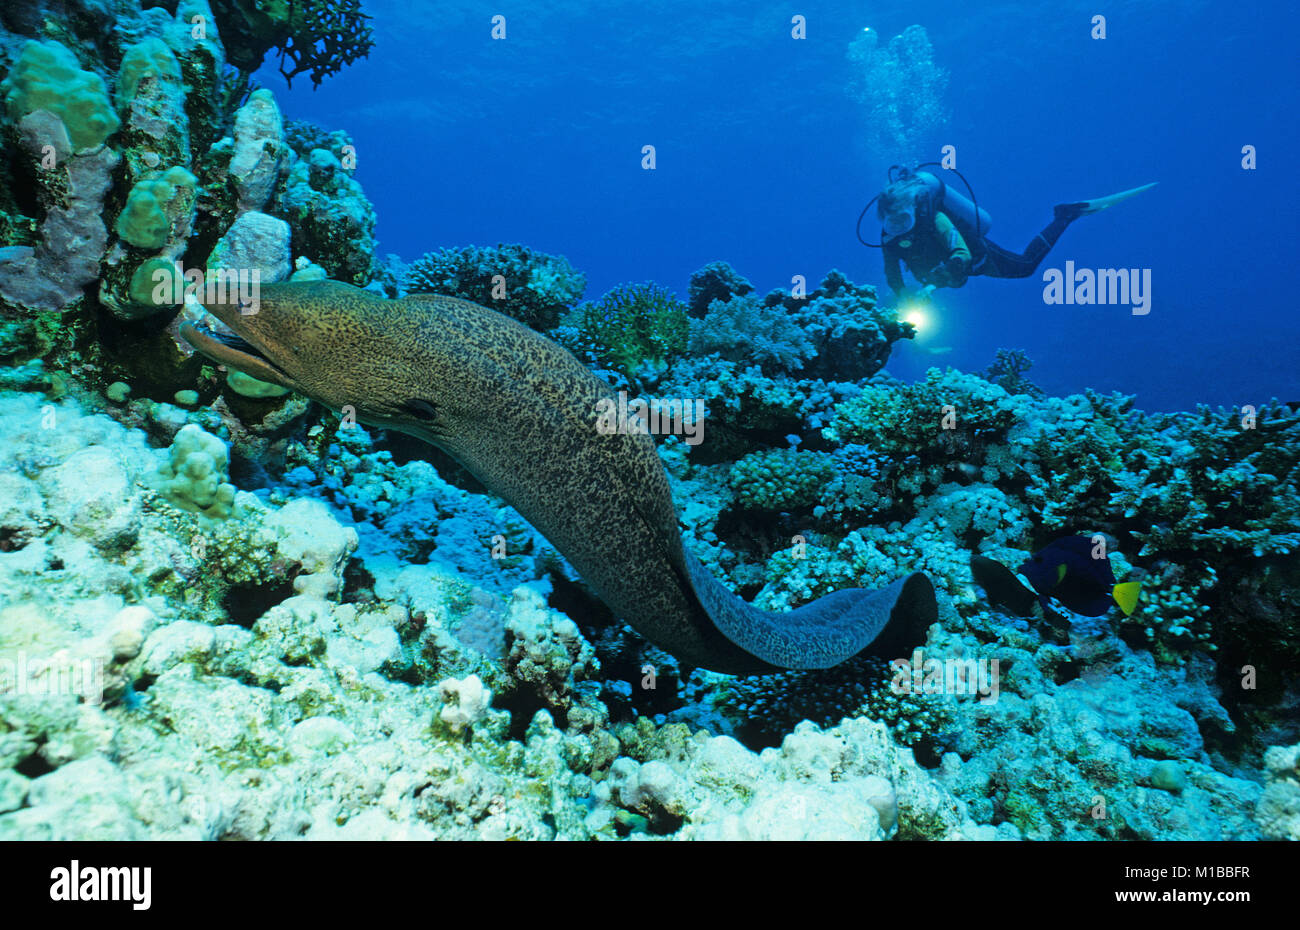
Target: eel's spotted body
(520, 413)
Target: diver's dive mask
(897, 209)
(898, 222)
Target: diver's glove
(951, 273)
(957, 271)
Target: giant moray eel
(519, 412)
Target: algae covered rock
(73, 237)
(331, 217)
(92, 495)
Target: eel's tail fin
(888, 622)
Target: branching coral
(1174, 613)
(632, 325)
(1229, 483)
(745, 409)
(1008, 370)
(940, 425)
(767, 708)
(316, 37)
(742, 328)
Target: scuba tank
(930, 195)
(972, 221)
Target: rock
(91, 495)
(467, 702)
(254, 241)
(259, 150)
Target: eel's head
(333, 342)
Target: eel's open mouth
(227, 348)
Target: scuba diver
(942, 237)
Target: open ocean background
(762, 162)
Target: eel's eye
(423, 409)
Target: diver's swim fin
(1101, 203)
(1072, 211)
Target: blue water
(762, 162)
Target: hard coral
(715, 281)
(331, 217)
(533, 287)
(46, 76)
(781, 479)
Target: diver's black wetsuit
(998, 262)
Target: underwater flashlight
(919, 311)
(917, 316)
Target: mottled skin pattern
(519, 412)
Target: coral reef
(833, 331)
(534, 288)
(288, 628)
(230, 614)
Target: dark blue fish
(1065, 570)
